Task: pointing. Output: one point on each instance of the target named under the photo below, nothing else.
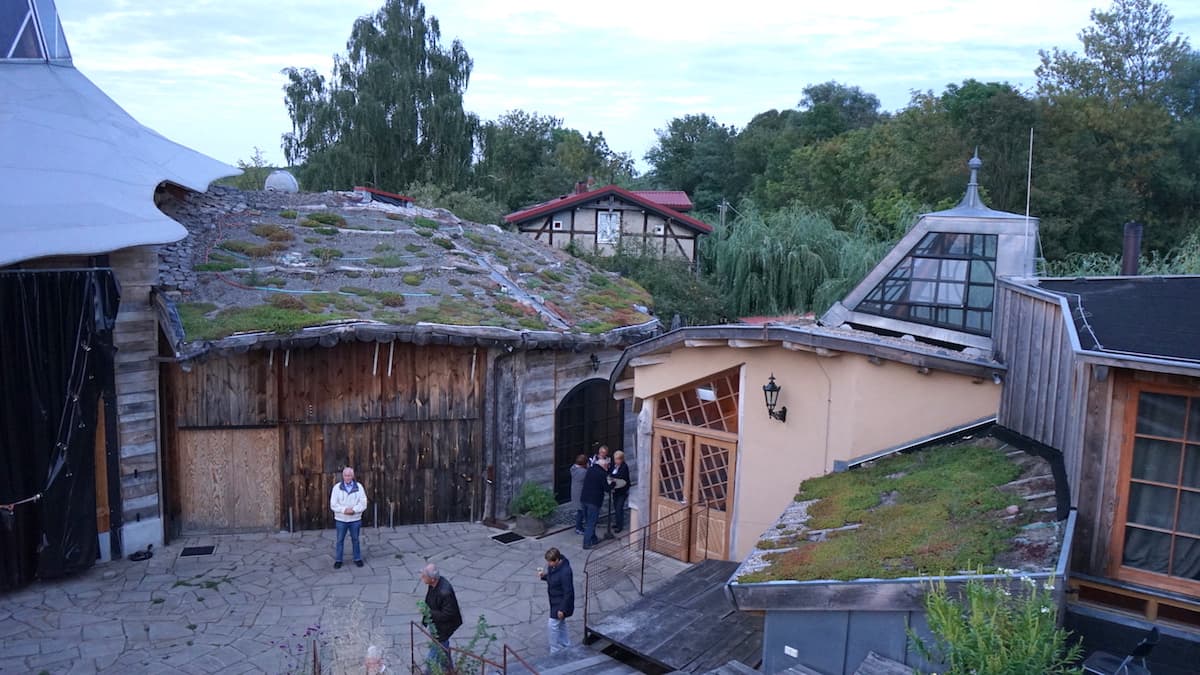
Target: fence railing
(464, 661)
(626, 565)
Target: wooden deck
(687, 624)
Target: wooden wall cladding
(408, 418)
(229, 479)
(414, 472)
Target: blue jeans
(560, 639)
(342, 527)
(591, 513)
(579, 518)
(439, 653)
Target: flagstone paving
(257, 602)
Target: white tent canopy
(77, 173)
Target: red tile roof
(568, 201)
(672, 199)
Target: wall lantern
(771, 394)
(595, 361)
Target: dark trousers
(618, 504)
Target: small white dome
(281, 181)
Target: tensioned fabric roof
(77, 173)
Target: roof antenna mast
(1028, 190)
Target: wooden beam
(797, 347)
(622, 395)
(622, 385)
(648, 360)
(828, 353)
(749, 344)
(705, 343)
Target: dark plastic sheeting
(56, 360)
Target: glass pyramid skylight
(31, 31)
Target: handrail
(638, 538)
(500, 667)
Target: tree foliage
(390, 113)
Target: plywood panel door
(670, 530)
(711, 483)
(229, 479)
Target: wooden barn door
(229, 479)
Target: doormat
(197, 550)
(507, 537)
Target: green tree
(831, 108)
(1129, 55)
(693, 154)
(391, 112)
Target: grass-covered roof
(311, 260)
(950, 509)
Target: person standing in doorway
(443, 614)
(578, 471)
(595, 484)
(348, 501)
(619, 476)
(560, 587)
(601, 453)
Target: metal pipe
(376, 515)
(1131, 249)
(291, 528)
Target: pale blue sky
(206, 72)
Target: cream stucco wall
(839, 408)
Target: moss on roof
(936, 511)
(265, 271)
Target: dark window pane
(982, 272)
(992, 240)
(12, 17)
(1191, 466)
(1146, 550)
(1193, 432)
(1189, 513)
(1161, 414)
(1151, 505)
(27, 46)
(980, 297)
(1186, 561)
(1156, 460)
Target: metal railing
(606, 570)
(459, 656)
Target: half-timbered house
(605, 219)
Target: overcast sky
(205, 73)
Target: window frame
(1124, 478)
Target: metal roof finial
(971, 199)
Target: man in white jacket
(348, 502)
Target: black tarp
(56, 361)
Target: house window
(947, 280)
(1160, 500)
(556, 225)
(608, 227)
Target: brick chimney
(1131, 249)
(581, 187)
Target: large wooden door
(670, 533)
(712, 480)
(690, 495)
(229, 479)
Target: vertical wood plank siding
(1045, 390)
(136, 338)
(409, 418)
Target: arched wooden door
(694, 458)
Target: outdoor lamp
(771, 393)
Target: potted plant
(533, 503)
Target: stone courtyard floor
(256, 603)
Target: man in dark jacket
(560, 586)
(595, 484)
(443, 613)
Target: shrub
(390, 299)
(443, 242)
(327, 231)
(289, 214)
(413, 279)
(534, 500)
(992, 630)
(327, 218)
(422, 221)
(283, 301)
(327, 255)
